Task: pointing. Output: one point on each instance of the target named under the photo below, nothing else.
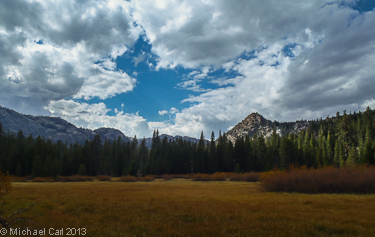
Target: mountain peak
(256, 123)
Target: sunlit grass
(181, 207)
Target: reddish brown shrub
(325, 180)
(127, 178)
(29, 177)
(219, 176)
(247, 177)
(43, 179)
(104, 178)
(211, 177)
(167, 177)
(18, 179)
(147, 178)
(74, 178)
(201, 177)
(174, 176)
(182, 176)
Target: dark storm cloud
(338, 71)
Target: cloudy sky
(186, 66)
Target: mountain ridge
(56, 128)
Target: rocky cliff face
(53, 128)
(257, 124)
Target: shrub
(182, 176)
(43, 179)
(325, 180)
(74, 178)
(127, 178)
(5, 184)
(28, 177)
(147, 178)
(247, 177)
(18, 179)
(219, 176)
(104, 178)
(201, 177)
(167, 176)
(173, 176)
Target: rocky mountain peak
(256, 123)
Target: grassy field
(187, 208)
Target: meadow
(181, 207)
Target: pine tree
(344, 133)
(286, 152)
(212, 159)
(82, 170)
(200, 161)
(37, 170)
(143, 156)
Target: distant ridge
(56, 128)
(53, 128)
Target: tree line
(337, 141)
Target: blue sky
(185, 66)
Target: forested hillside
(340, 141)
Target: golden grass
(184, 208)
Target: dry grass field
(182, 207)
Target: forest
(338, 141)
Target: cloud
(254, 89)
(173, 110)
(95, 116)
(50, 51)
(194, 33)
(330, 67)
(163, 112)
(140, 58)
(192, 79)
(290, 60)
(339, 71)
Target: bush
(104, 178)
(201, 177)
(147, 178)
(211, 177)
(325, 180)
(43, 179)
(182, 176)
(5, 184)
(167, 176)
(18, 179)
(247, 177)
(219, 176)
(127, 178)
(74, 178)
(173, 176)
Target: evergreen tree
(212, 158)
(286, 152)
(143, 156)
(201, 157)
(82, 170)
(37, 170)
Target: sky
(183, 67)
